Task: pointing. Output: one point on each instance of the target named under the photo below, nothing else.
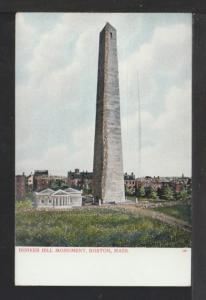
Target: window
(111, 35)
(42, 201)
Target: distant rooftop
(41, 172)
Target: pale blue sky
(56, 79)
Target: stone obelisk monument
(108, 180)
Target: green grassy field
(182, 212)
(95, 227)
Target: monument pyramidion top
(108, 27)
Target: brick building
(20, 186)
(80, 180)
(148, 182)
(83, 180)
(40, 180)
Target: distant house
(59, 199)
(129, 180)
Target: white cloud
(166, 140)
(163, 66)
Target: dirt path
(158, 216)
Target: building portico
(59, 199)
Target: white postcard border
(63, 266)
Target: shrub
(24, 204)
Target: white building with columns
(59, 199)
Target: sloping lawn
(182, 212)
(99, 227)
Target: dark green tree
(64, 185)
(152, 193)
(87, 191)
(54, 185)
(183, 195)
(141, 191)
(167, 193)
(29, 196)
(129, 191)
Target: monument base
(118, 202)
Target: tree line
(165, 193)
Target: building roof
(61, 192)
(46, 192)
(41, 172)
(71, 190)
(58, 192)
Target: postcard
(103, 149)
